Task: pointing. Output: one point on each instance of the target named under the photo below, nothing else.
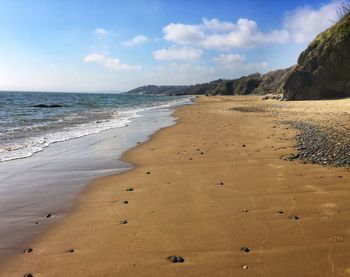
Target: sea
(53, 144)
(32, 121)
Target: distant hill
(163, 90)
(256, 83)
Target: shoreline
(50, 181)
(204, 189)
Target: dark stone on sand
(70, 251)
(293, 217)
(280, 212)
(202, 153)
(243, 145)
(124, 221)
(176, 259)
(28, 275)
(27, 250)
(36, 222)
(292, 157)
(245, 210)
(221, 183)
(129, 189)
(245, 249)
(126, 202)
(148, 172)
(47, 106)
(47, 215)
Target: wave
(27, 147)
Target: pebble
(321, 144)
(70, 251)
(291, 157)
(245, 267)
(293, 217)
(27, 250)
(176, 259)
(126, 202)
(245, 249)
(245, 210)
(28, 275)
(280, 212)
(130, 189)
(148, 172)
(124, 221)
(47, 215)
(243, 145)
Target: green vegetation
(335, 32)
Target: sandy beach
(214, 190)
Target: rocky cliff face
(323, 69)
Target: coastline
(49, 181)
(216, 184)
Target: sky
(100, 45)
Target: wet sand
(49, 181)
(214, 190)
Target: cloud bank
(177, 53)
(299, 26)
(112, 63)
(136, 40)
(100, 32)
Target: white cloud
(222, 35)
(177, 53)
(183, 33)
(180, 74)
(305, 23)
(112, 63)
(95, 57)
(237, 63)
(136, 40)
(229, 59)
(216, 25)
(100, 32)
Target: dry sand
(216, 184)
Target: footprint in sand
(337, 238)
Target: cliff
(323, 69)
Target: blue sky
(100, 45)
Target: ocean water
(26, 130)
